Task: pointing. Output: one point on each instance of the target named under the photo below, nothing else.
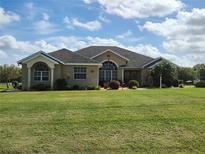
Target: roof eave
(36, 54)
(153, 61)
(109, 50)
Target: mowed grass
(126, 121)
(4, 86)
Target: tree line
(10, 73)
(172, 74)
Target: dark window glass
(41, 72)
(108, 71)
(79, 72)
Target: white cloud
(90, 25)
(103, 18)
(184, 34)
(15, 49)
(125, 35)
(139, 8)
(88, 1)
(146, 49)
(128, 36)
(12, 50)
(29, 5)
(3, 55)
(9, 44)
(45, 16)
(75, 43)
(7, 17)
(44, 26)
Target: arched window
(108, 71)
(41, 72)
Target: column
(142, 77)
(52, 77)
(29, 78)
(122, 75)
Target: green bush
(168, 71)
(90, 87)
(61, 84)
(76, 87)
(106, 85)
(40, 87)
(133, 84)
(97, 88)
(200, 84)
(181, 86)
(175, 83)
(114, 84)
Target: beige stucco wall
(24, 76)
(67, 72)
(112, 57)
(33, 82)
(29, 64)
(40, 58)
(109, 56)
(120, 74)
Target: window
(79, 73)
(41, 72)
(108, 71)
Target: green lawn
(3, 86)
(129, 121)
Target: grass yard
(129, 121)
(3, 86)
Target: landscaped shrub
(181, 85)
(61, 84)
(133, 84)
(106, 85)
(101, 83)
(120, 82)
(82, 88)
(175, 83)
(114, 84)
(15, 84)
(76, 87)
(200, 84)
(40, 87)
(97, 88)
(90, 87)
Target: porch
(121, 74)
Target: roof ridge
(84, 56)
(83, 48)
(60, 50)
(135, 52)
(73, 52)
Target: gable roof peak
(68, 56)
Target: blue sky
(174, 29)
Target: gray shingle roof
(135, 59)
(68, 56)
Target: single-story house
(87, 67)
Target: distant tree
(186, 73)
(9, 73)
(197, 69)
(168, 72)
